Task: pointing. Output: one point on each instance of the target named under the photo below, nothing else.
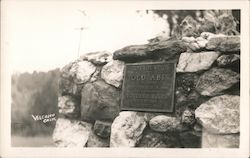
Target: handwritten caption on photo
(45, 118)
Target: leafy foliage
(175, 17)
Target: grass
(36, 141)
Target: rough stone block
(162, 123)
(82, 71)
(127, 129)
(216, 80)
(193, 62)
(132, 53)
(71, 133)
(224, 43)
(220, 140)
(99, 101)
(167, 50)
(98, 58)
(227, 60)
(102, 128)
(112, 73)
(220, 114)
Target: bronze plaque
(149, 87)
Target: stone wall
(207, 95)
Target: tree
(34, 93)
(203, 17)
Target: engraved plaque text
(149, 87)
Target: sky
(43, 35)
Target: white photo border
(242, 151)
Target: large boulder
(112, 73)
(126, 130)
(71, 133)
(193, 62)
(216, 80)
(102, 128)
(98, 58)
(82, 71)
(210, 140)
(162, 123)
(167, 49)
(99, 101)
(132, 53)
(228, 60)
(69, 106)
(220, 114)
(160, 50)
(224, 43)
